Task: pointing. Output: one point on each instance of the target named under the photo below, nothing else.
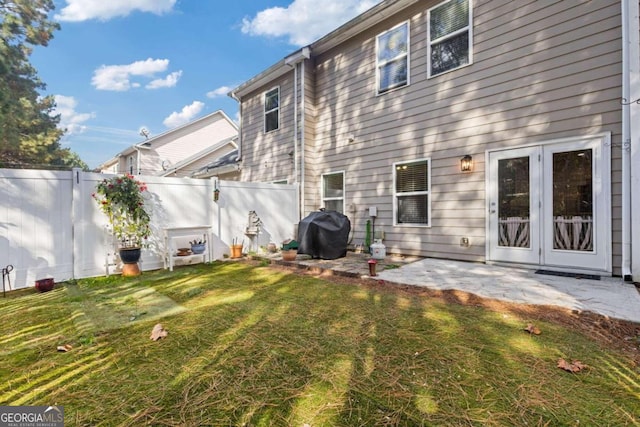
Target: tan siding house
(391, 103)
(178, 152)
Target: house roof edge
(355, 26)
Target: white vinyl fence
(50, 226)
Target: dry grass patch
(251, 345)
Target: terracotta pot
(236, 251)
(289, 255)
(131, 270)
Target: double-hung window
(412, 193)
(392, 58)
(272, 110)
(450, 36)
(333, 191)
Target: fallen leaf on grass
(533, 329)
(575, 366)
(158, 332)
(64, 348)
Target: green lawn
(254, 346)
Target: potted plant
(121, 199)
(236, 248)
(198, 246)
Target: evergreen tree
(28, 132)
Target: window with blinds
(272, 110)
(449, 36)
(392, 59)
(412, 201)
(333, 191)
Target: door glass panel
(514, 202)
(573, 200)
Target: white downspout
(137, 159)
(633, 149)
(234, 96)
(302, 140)
(626, 144)
(295, 122)
(293, 61)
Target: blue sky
(117, 66)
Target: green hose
(367, 238)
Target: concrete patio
(609, 296)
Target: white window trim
(344, 193)
(408, 56)
(412, 193)
(264, 112)
(468, 28)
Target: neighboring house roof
(223, 164)
(188, 161)
(164, 137)
(362, 22)
(115, 159)
(147, 143)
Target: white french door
(514, 214)
(549, 205)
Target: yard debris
(64, 348)
(575, 366)
(158, 332)
(533, 329)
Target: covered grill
(324, 235)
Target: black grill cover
(324, 235)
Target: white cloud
(217, 93)
(118, 77)
(305, 21)
(70, 119)
(185, 116)
(170, 81)
(103, 10)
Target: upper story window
(130, 165)
(272, 110)
(333, 191)
(412, 193)
(450, 36)
(392, 58)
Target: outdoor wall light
(465, 163)
(216, 195)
